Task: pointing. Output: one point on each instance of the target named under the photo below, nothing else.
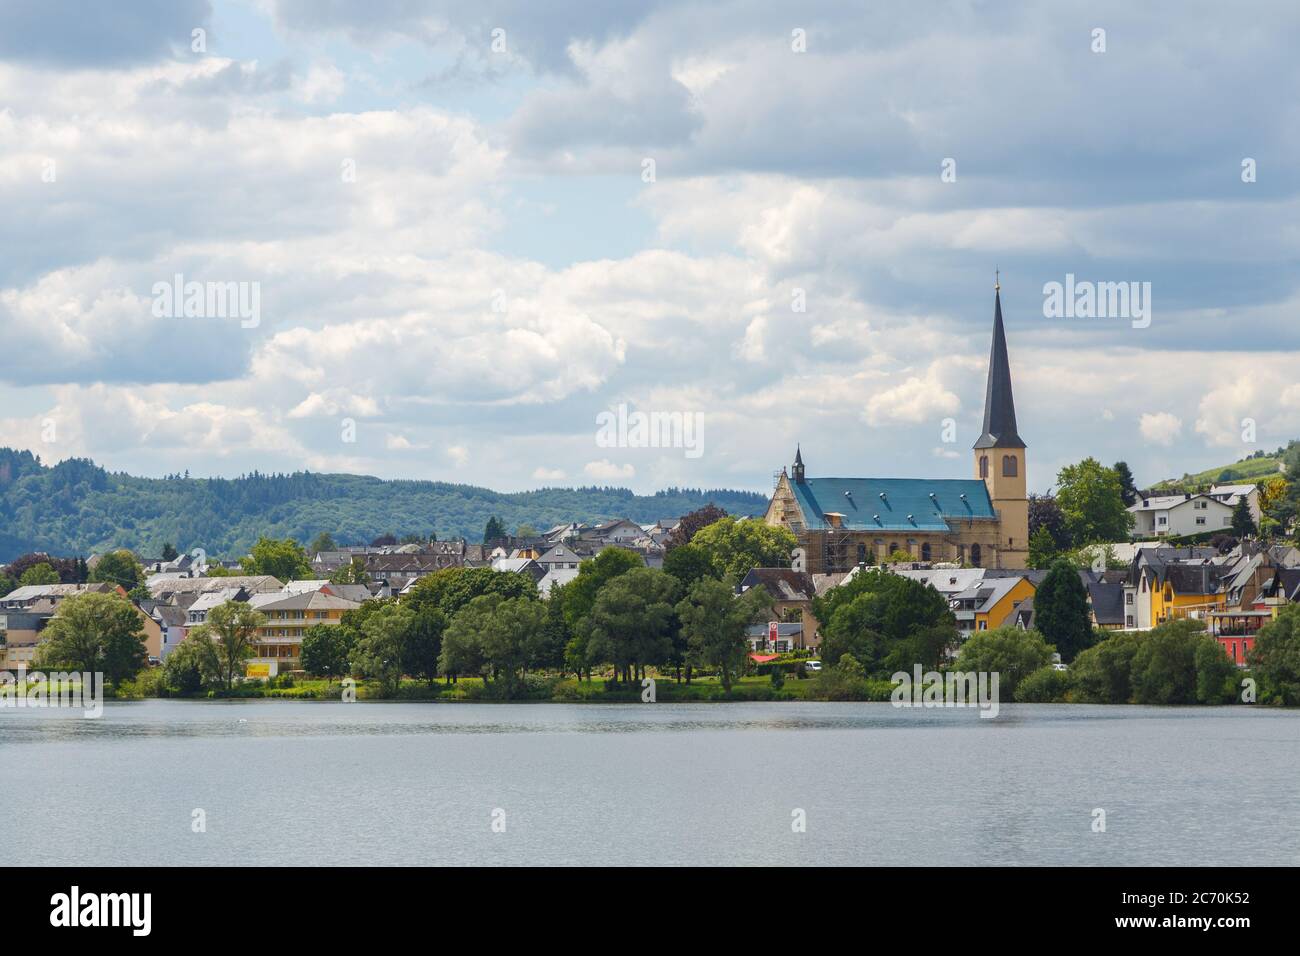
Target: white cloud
(606, 470)
(915, 400)
(1160, 428)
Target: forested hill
(76, 508)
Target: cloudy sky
(473, 227)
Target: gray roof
(1107, 602)
(999, 407)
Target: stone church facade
(980, 522)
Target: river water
(281, 782)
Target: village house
(792, 593)
(1161, 516)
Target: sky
(464, 232)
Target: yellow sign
(258, 670)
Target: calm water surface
(662, 784)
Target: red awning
(763, 658)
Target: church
(977, 522)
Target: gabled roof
(249, 582)
(784, 584)
(312, 601)
(1107, 602)
(32, 592)
(1168, 502)
(885, 504)
(987, 593)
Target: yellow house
(277, 645)
(1181, 589)
(990, 603)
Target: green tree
(1042, 549)
(462, 653)
(632, 620)
(322, 542)
(94, 632)
(1046, 685)
(1011, 653)
(7, 584)
(284, 559)
(424, 643)
(1103, 674)
(1092, 502)
(737, 547)
(905, 604)
(39, 574)
(855, 629)
(1045, 512)
(451, 589)
(1127, 489)
(118, 567)
(1275, 657)
(925, 645)
(191, 666)
(169, 552)
(326, 650)
(1178, 663)
(232, 626)
(556, 634)
(512, 639)
(714, 621)
(381, 651)
(688, 564)
(1061, 611)
(593, 574)
(1243, 521)
(495, 529)
(353, 572)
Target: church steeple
(798, 465)
(999, 407)
(1000, 454)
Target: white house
(1163, 515)
(1231, 494)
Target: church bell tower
(1000, 452)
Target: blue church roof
(893, 504)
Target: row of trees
(617, 613)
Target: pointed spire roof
(798, 455)
(999, 407)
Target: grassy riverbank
(538, 689)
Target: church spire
(999, 407)
(798, 464)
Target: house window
(1009, 466)
(893, 547)
(1200, 520)
(862, 554)
(925, 551)
(984, 466)
(1128, 598)
(975, 555)
(1162, 520)
(1128, 620)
